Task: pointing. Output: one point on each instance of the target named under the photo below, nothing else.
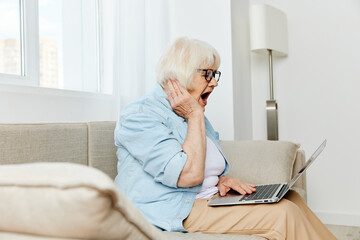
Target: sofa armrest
(263, 162)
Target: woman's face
(201, 88)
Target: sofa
(56, 182)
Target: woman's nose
(213, 82)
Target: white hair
(183, 57)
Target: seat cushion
(66, 200)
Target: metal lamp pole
(271, 106)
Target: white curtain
(141, 33)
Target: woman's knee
(286, 209)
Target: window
(56, 44)
(10, 39)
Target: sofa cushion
(260, 162)
(102, 149)
(66, 200)
(19, 236)
(50, 142)
(202, 236)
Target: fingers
(237, 185)
(172, 93)
(181, 101)
(223, 189)
(172, 89)
(240, 190)
(176, 87)
(179, 86)
(248, 188)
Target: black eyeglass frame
(208, 73)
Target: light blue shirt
(149, 136)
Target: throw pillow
(67, 200)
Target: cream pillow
(67, 200)
(260, 162)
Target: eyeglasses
(210, 74)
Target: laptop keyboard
(262, 192)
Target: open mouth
(204, 97)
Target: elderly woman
(171, 164)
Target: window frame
(29, 47)
(29, 51)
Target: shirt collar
(161, 95)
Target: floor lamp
(268, 35)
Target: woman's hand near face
(194, 144)
(226, 184)
(181, 101)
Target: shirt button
(179, 217)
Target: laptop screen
(307, 164)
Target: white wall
(316, 88)
(210, 21)
(20, 104)
(241, 70)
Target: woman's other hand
(227, 183)
(181, 101)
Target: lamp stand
(271, 106)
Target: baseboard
(344, 219)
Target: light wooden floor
(345, 232)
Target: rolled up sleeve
(151, 142)
(173, 169)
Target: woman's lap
(273, 221)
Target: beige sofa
(48, 190)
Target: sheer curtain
(141, 33)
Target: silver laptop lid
(307, 164)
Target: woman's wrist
(196, 114)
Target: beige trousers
(289, 219)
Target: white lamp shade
(268, 30)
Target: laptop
(266, 193)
